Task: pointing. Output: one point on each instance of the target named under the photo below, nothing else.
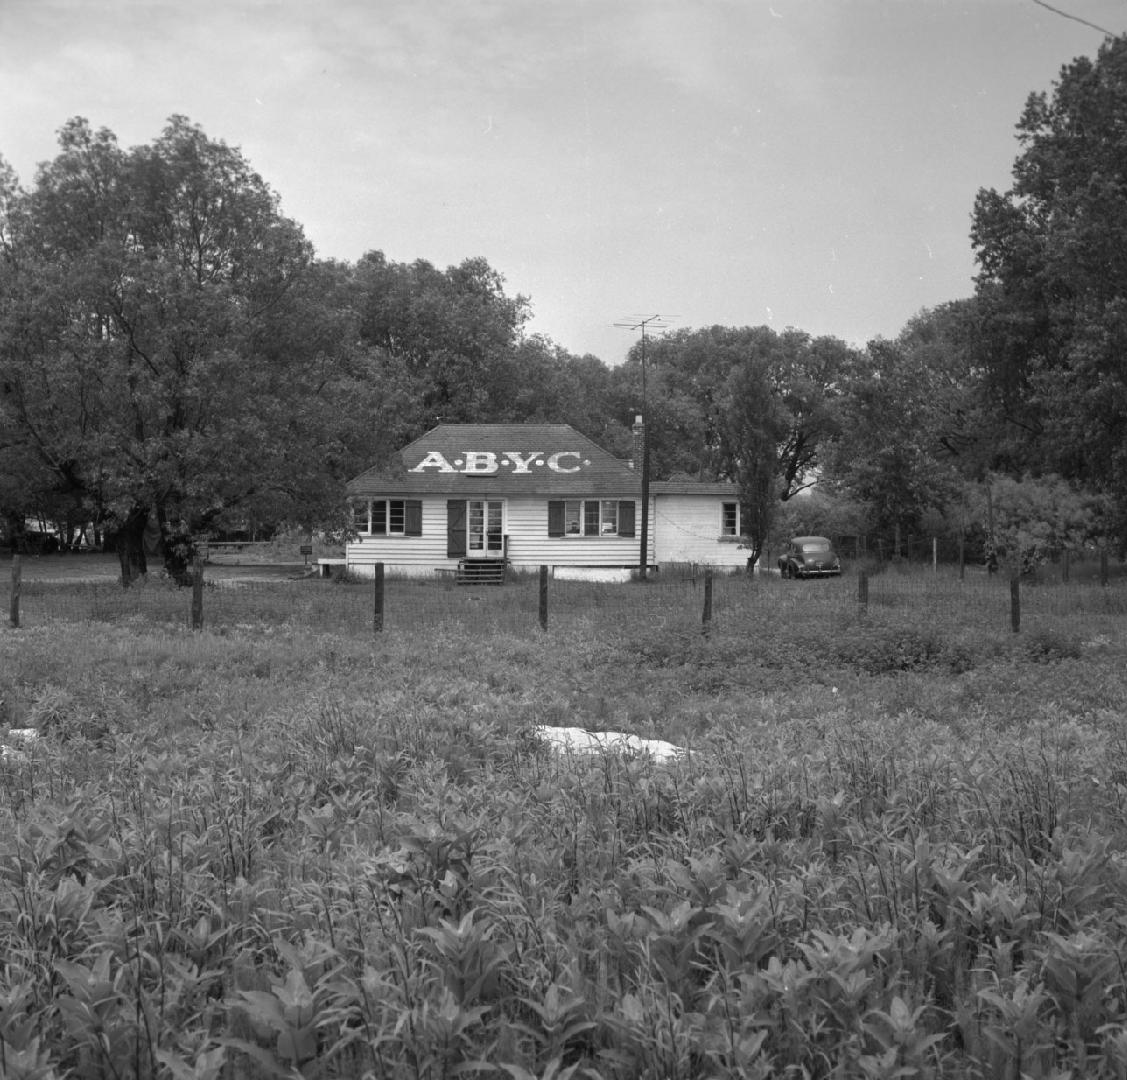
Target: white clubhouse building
(463, 497)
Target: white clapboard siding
(529, 545)
(687, 529)
(405, 555)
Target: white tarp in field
(576, 740)
(21, 737)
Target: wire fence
(680, 598)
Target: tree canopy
(164, 353)
(174, 358)
(1052, 286)
(748, 404)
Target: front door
(485, 529)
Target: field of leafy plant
(286, 846)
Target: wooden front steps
(482, 571)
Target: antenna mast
(636, 323)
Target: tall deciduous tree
(809, 376)
(548, 384)
(449, 333)
(1052, 253)
(162, 350)
(940, 352)
(890, 453)
(745, 404)
(754, 426)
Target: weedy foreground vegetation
(895, 846)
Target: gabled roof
(509, 459)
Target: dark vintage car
(809, 556)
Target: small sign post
(706, 615)
(15, 594)
(378, 599)
(197, 594)
(305, 551)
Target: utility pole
(642, 322)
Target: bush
(887, 650)
(1045, 645)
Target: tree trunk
(128, 541)
(13, 526)
(177, 549)
(755, 551)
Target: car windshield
(816, 547)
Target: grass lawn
(98, 567)
(289, 846)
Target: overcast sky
(808, 163)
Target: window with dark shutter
(555, 517)
(413, 518)
(626, 518)
(455, 528)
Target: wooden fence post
(1103, 565)
(197, 593)
(16, 572)
(1015, 602)
(543, 598)
(863, 591)
(378, 599)
(706, 616)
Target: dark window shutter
(626, 518)
(413, 518)
(455, 528)
(555, 517)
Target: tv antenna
(640, 322)
(644, 323)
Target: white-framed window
(388, 517)
(486, 523)
(573, 517)
(608, 517)
(396, 517)
(730, 519)
(591, 517)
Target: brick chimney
(639, 442)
